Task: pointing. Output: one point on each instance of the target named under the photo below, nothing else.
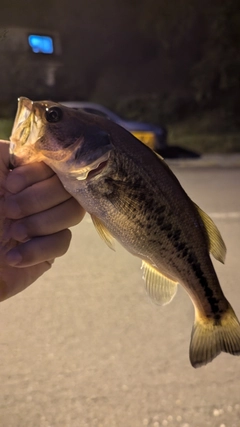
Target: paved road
(85, 347)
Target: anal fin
(103, 232)
(160, 288)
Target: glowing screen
(41, 44)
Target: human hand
(36, 212)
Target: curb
(208, 161)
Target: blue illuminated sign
(41, 44)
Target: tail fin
(210, 337)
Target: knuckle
(16, 181)
(34, 201)
(12, 208)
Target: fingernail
(13, 257)
(14, 182)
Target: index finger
(26, 175)
(4, 153)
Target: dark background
(157, 58)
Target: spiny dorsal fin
(160, 288)
(216, 244)
(103, 232)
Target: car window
(94, 111)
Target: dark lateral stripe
(213, 302)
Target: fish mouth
(27, 122)
(27, 129)
(29, 143)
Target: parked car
(153, 136)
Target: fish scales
(133, 196)
(161, 237)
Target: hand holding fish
(35, 213)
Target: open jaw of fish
(27, 143)
(133, 196)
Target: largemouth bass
(133, 197)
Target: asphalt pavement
(85, 347)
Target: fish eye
(53, 114)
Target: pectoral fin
(160, 288)
(103, 232)
(216, 244)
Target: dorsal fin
(216, 244)
(103, 232)
(160, 288)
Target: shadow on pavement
(175, 152)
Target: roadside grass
(5, 128)
(209, 132)
(204, 142)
